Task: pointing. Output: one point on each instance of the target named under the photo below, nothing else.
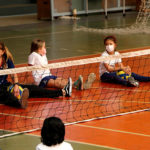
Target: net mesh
(100, 101)
(144, 13)
(141, 24)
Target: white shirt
(36, 59)
(112, 62)
(61, 146)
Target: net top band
(74, 62)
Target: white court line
(120, 89)
(19, 116)
(100, 100)
(78, 142)
(100, 146)
(113, 130)
(30, 35)
(78, 100)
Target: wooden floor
(130, 131)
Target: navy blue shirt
(3, 78)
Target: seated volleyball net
(102, 100)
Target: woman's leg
(8, 98)
(140, 78)
(39, 92)
(113, 78)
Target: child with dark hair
(109, 68)
(52, 135)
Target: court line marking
(101, 146)
(21, 116)
(78, 100)
(114, 130)
(30, 35)
(99, 100)
(85, 143)
(120, 89)
(81, 121)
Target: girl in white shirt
(52, 135)
(44, 78)
(109, 68)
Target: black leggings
(34, 92)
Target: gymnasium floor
(60, 39)
(62, 42)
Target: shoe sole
(81, 79)
(133, 82)
(89, 81)
(24, 98)
(70, 87)
(79, 85)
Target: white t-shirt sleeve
(119, 59)
(71, 147)
(37, 147)
(68, 146)
(31, 59)
(105, 54)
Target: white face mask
(110, 48)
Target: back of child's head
(36, 44)
(53, 131)
(112, 38)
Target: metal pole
(52, 9)
(105, 8)
(124, 7)
(86, 6)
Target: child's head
(5, 54)
(111, 43)
(53, 131)
(38, 46)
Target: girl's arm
(118, 67)
(14, 78)
(126, 69)
(16, 86)
(112, 68)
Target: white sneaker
(133, 82)
(68, 88)
(88, 83)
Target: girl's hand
(127, 70)
(16, 90)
